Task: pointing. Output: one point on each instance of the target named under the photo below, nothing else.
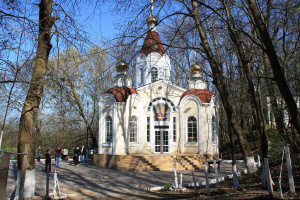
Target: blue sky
(100, 23)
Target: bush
(167, 186)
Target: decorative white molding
(217, 121)
(100, 126)
(210, 129)
(114, 128)
(108, 144)
(134, 144)
(161, 101)
(200, 131)
(150, 85)
(114, 118)
(127, 120)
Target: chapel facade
(154, 116)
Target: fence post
(194, 182)
(4, 167)
(289, 168)
(268, 176)
(175, 176)
(180, 181)
(217, 177)
(235, 178)
(206, 180)
(47, 185)
(263, 178)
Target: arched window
(154, 74)
(174, 129)
(192, 129)
(214, 130)
(148, 129)
(142, 76)
(133, 129)
(108, 129)
(121, 82)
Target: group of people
(79, 155)
(59, 153)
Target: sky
(100, 23)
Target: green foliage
(167, 187)
(274, 136)
(276, 141)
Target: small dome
(121, 93)
(196, 68)
(203, 94)
(121, 66)
(152, 20)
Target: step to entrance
(160, 162)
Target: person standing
(58, 156)
(76, 155)
(82, 153)
(48, 161)
(39, 153)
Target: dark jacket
(76, 153)
(58, 153)
(48, 157)
(83, 152)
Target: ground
(251, 185)
(89, 182)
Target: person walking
(39, 153)
(48, 161)
(58, 156)
(76, 155)
(82, 153)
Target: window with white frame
(148, 129)
(133, 129)
(154, 74)
(174, 129)
(121, 82)
(214, 130)
(142, 76)
(192, 129)
(108, 129)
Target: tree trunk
(278, 115)
(219, 82)
(260, 121)
(275, 65)
(29, 114)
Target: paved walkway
(89, 182)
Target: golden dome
(151, 19)
(196, 68)
(121, 66)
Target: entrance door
(161, 141)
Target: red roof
(202, 94)
(152, 43)
(121, 93)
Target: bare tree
(80, 80)
(278, 73)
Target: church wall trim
(183, 132)
(140, 127)
(101, 134)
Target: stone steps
(160, 162)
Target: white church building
(155, 116)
